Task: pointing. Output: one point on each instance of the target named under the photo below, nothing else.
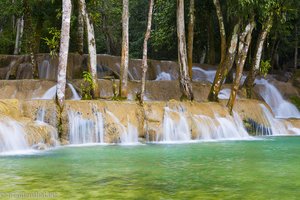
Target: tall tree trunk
(80, 29)
(63, 53)
(244, 43)
(224, 66)
(211, 59)
(249, 82)
(185, 81)
(37, 35)
(28, 32)
(222, 29)
(296, 48)
(92, 49)
(145, 49)
(191, 37)
(125, 52)
(20, 27)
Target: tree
(145, 49)
(92, 66)
(267, 25)
(244, 43)
(80, 28)
(125, 52)
(63, 53)
(184, 79)
(191, 37)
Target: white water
(12, 136)
(219, 128)
(280, 107)
(41, 114)
(128, 135)
(82, 131)
(51, 93)
(175, 130)
(200, 74)
(277, 127)
(75, 95)
(163, 76)
(225, 93)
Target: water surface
(259, 169)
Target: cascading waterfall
(200, 74)
(225, 93)
(51, 92)
(175, 130)
(220, 127)
(83, 131)
(75, 95)
(163, 76)
(41, 114)
(277, 127)
(280, 107)
(128, 135)
(12, 136)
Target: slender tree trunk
(80, 29)
(63, 53)
(145, 49)
(28, 31)
(125, 52)
(92, 49)
(20, 27)
(185, 81)
(244, 43)
(37, 35)
(225, 66)
(249, 82)
(211, 42)
(296, 48)
(222, 29)
(191, 37)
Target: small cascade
(41, 114)
(200, 74)
(50, 93)
(163, 76)
(220, 127)
(128, 135)
(45, 70)
(83, 131)
(277, 127)
(175, 127)
(75, 95)
(224, 93)
(280, 107)
(12, 136)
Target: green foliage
(87, 86)
(53, 41)
(264, 67)
(296, 101)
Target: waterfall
(41, 114)
(220, 127)
(50, 93)
(175, 130)
(12, 136)
(277, 127)
(83, 131)
(163, 76)
(280, 107)
(75, 95)
(200, 74)
(224, 93)
(128, 135)
(44, 70)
